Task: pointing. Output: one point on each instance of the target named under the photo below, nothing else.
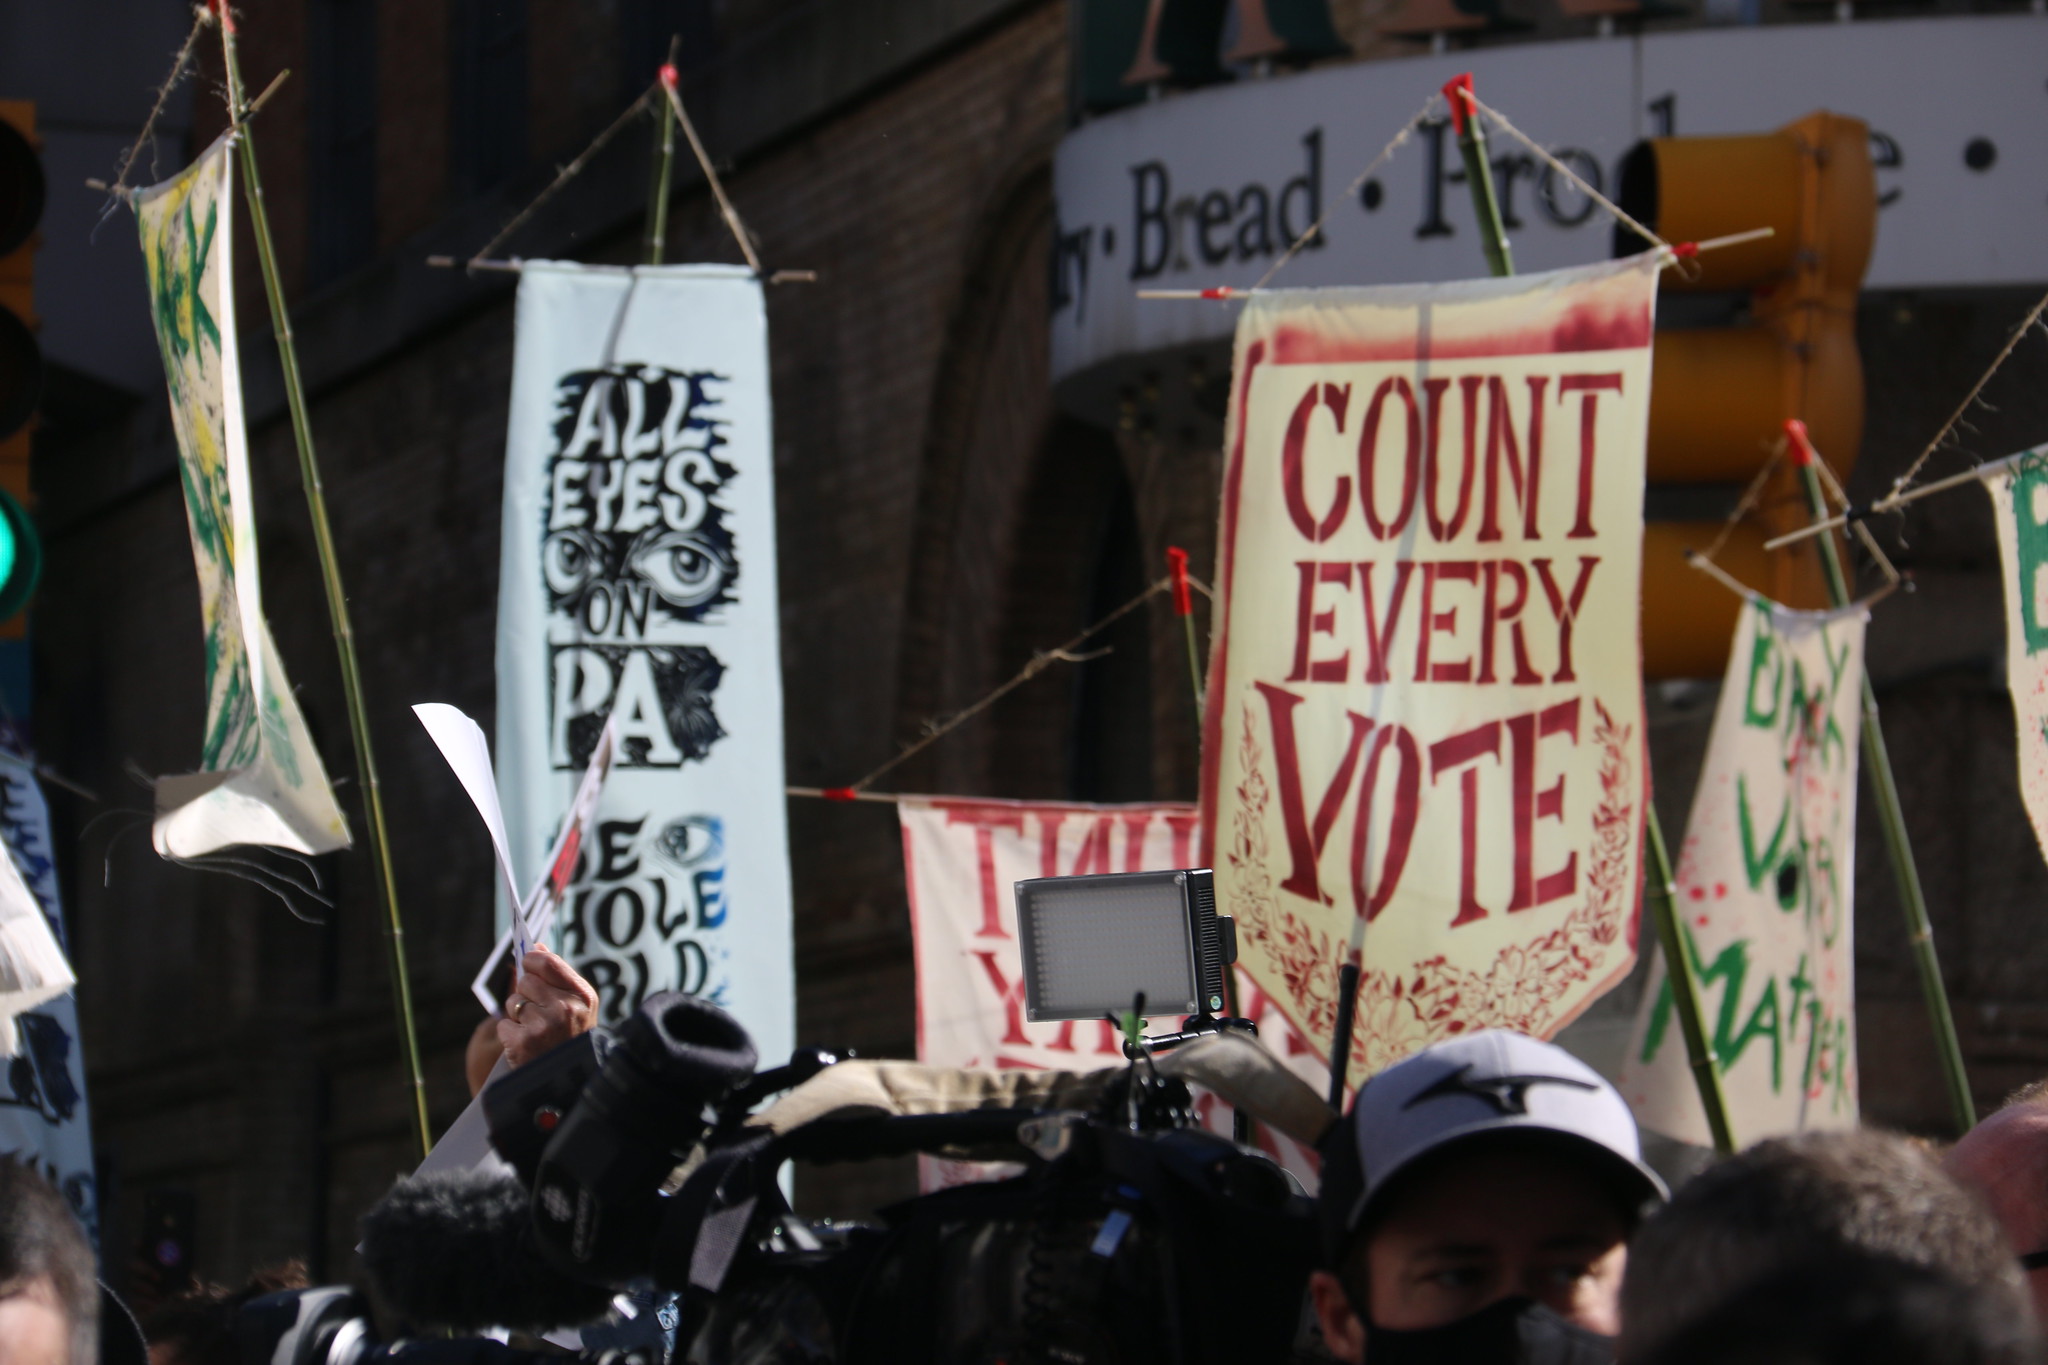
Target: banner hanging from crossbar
(1424, 725)
(2019, 507)
(637, 584)
(1766, 884)
(260, 779)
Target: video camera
(1132, 1236)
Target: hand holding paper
(462, 743)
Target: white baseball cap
(1478, 1085)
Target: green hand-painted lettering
(1763, 654)
(1763, 1022)
(1754, 866)
(2029, 488)
(1731, 969)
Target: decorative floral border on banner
(1398, 1017)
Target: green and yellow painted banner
(260, 780)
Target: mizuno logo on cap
(1507, 1094)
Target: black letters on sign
(633, 522)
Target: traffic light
(1781, 343)
(21, 360)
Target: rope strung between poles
(1901, 494)
(2012, 342)
(1044, 659)
(664, 87)
(745, 238)
(1747, 502)
(1386, 153)
(568, 172)
(1681, 254)
(1614, 210)
(201, 17)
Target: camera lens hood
(688, 1045)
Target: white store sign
(1207, 188)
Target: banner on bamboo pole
(260, 780)
(2019, 505)
(43, 1114)
(1424, 719)
(961, 859)
(637, 584)
(1766, 885)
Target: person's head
(1478, 1177)
(2005, 1159)
(197, 1327)
(1849, 1309)
(49, 1294)
(1792, 1200)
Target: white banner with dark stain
(1766, 888)
(638, 584)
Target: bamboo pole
(664, 167)
(1493, 235)
(330, 574)
(1878, 764)
(1678, 964)
(1685, 990)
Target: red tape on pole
(1177, 564)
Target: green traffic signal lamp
(21, 556)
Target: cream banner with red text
(961, 859)
(1425, 713)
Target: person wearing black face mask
(1476, 1205)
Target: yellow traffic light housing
(21, 205)
(1721, 395)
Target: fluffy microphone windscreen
(456, 1250)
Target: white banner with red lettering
(1425, 716)
(961, 859)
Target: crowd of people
(1485, 1200)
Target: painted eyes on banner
(692, 840)
(687, 568)
(571, 560)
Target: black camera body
(1133, 1237)
(597, 1186)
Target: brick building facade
(939, 521)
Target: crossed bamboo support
(1877, 763)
